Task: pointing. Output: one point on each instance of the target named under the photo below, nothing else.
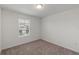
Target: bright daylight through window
(24, 27)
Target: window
(24, 27)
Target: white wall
(10, 29)
(62, 29)
(0, 31)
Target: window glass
(24, 27)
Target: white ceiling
(47, 10)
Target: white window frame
(24, 27)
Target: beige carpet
(38, 47)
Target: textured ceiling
(46, 11)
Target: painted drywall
(10, 29)
(0, 31)
(62, 29)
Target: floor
(38, 47)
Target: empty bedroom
(39, 29)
